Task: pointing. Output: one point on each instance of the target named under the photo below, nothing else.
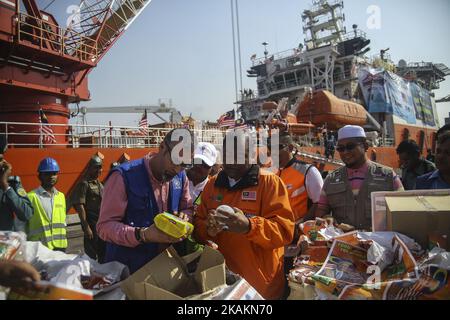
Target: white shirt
(314, 184)
(47, 200)
(196, 190)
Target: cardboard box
(166, 277)
(379, 211)
(419, 217)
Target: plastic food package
(12, 245)
(173, 226)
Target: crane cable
(239, 43)
(49, 5)
(236, 53)
(234, 50)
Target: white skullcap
(351, 132)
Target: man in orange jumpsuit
(252, 238)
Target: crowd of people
(267, 205)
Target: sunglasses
(348, 147)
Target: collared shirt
(15, 209)
(409, 177)
(196, 190)
(110, 226)
(432, 180)
(89, 193)
(47, 199)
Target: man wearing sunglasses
(303, 181)
(346, 191)
(304, 184)
(136, 191)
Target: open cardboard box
(379, 208)
(420, 217)
(166, 277)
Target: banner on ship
(386, 92)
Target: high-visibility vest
(294, 177)
(51, 233)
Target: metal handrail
(278, 56)
(102, 136)
(68, 42)
(354, 34)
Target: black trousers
(95, 248)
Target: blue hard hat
(48, 165)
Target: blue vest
(141, 210)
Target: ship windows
(302, 77)
(279, 82)
(290, 80)
(433, 141)
(406, 134)
(421, 140)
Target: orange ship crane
(44, 66)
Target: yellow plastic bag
(173, 226)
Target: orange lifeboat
(300, 128)
(325, 108)
(269, 106)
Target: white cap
(351, 132)
(206, 152)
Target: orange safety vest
(294, 177)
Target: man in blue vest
(135, 192)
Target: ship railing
(341, 76)
(295, 52)
(386, 142)
(319, 5)
(54, 38)
(28, 135)
(281, 85)
(354, 34)
(249, 96)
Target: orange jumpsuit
(258, 255)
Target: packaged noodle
(173, 226)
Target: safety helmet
(48, 165)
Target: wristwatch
(137, 234)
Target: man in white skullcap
(346, 191)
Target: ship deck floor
(74, 235)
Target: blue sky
(182, 49)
